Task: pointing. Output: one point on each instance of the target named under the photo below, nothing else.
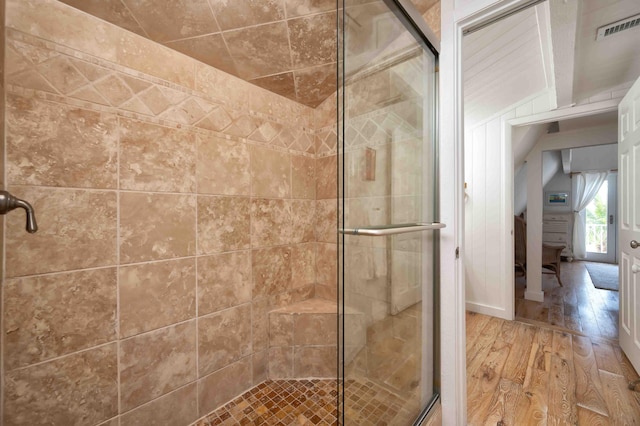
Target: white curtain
(585, 189)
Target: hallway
(576, 306)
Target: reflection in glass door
(388, 217)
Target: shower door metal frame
(413, 21)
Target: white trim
(567, 113)
(536, 296)
(490, 310)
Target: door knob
(634, 244)
(635, 269)
(8, 202)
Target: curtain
(586, 187)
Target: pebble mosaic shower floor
(310, 402)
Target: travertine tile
(77, 229)
(56, 145)
(224, 281)
(307, 7)
(326, 177)
(53, 315)
(281, 362)
(260, 367)
(114, 12)
(314, 84)
(223, 385)
(271, 271)
(326, 267)
(327, 220)
(260, 308)
(209, 49)
(315, 361)
(303, 265)
(245, 13)
(155, 363)
(315, 329)
(260, 51)
(223, 338)
(177, 408)
(225, 87)
(223, 224)
(156, 226)
(282, 84)
(303, 221)
(303, 177)
(156, 158)
(223, 166)
(78, 389)
(155, 295)
(313, 39)
(173, 20)
(280, 329)
(270, 173)
(271, 222)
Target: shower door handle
(400, 228)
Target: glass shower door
(388, 214)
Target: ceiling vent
(616, 27)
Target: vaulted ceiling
(285, 46)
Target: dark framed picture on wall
(554, 198)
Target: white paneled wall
(489, 210)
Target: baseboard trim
(489, 310)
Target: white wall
(559, 183)
(601, 157)
(489, 211)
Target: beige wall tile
(155, 295)
(271, 271)
(223, 224)
(222, 86)
(326, 292)
(303, 218)
(210, 49)
(57, 145)
(224, 281)
(223, 167)
(303, 265)
(155, 363)
(326, 175)
(223, 338)
(281, 363)
(77, 389)
(270, 173)
(115, 12)
(223, 385)
(260, 323)
(315, 329)
(53, 315)
(315, 361)
(314, 84)
(245, 13)
(260, 367)
(156, 158)
(303, 177)
(271, 222)
(313, 39)
(173, 20)
(261, 50)
(280, 329)
(77, 229)
(327, 220)
(307, 7)
(156, 226)
(177, 408)
(326, 267)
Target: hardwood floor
(524, 374)
(576, 306)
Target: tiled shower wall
(177, 205)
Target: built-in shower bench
(303, 338)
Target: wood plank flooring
(524, 374)
(577, 306)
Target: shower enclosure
(388, 214)
(236, 213)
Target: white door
(629, 213)
(601, 236)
